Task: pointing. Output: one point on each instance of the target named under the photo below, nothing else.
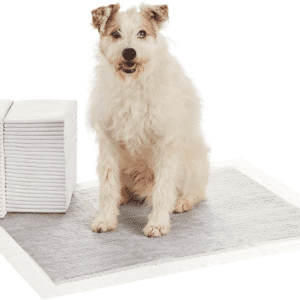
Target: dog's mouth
(128, 71)
(128, 67)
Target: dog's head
(129, 39)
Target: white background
(243, 56)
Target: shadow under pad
(239, 212)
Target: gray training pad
(238, 213)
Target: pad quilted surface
(238, 213)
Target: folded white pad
(38, 155)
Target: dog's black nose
(129, 53)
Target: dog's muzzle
(129, 66)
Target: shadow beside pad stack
(40, 151)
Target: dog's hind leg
(197, 174)
(110, 187)
(194, 196)
(186, 203)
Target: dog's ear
(102, 15)
(157, 14)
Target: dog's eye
(116, 34)
(141, 34)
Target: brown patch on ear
(103, 15)
(157, 14)
(148, 26)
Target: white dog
(146, 115)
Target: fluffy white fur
(147, 123)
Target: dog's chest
(133, 122)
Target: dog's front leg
(110, 187)
(164, 193)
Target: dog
(146, 114)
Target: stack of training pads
(38, 155)
(4, 107)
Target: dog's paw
(103, 225)
(184, 204)
(155, 230)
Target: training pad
(238, 213)
(38, 111)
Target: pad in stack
(4, 107)
(40, 149)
